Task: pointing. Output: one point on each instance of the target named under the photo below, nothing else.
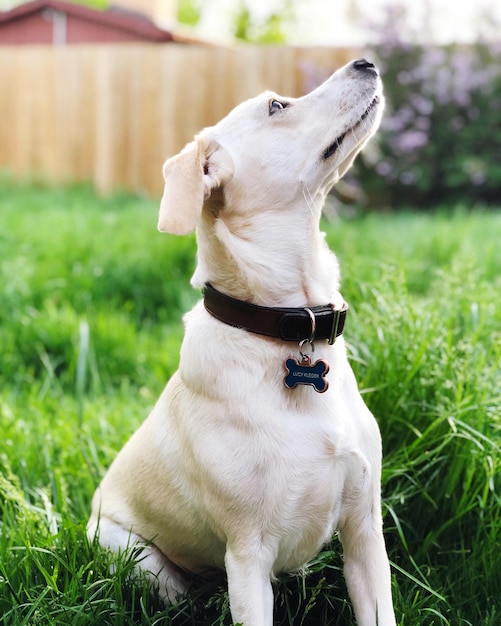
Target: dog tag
(304, 373)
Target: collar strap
(288, 324)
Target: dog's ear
(190, 177)
(183, 195)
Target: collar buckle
(337, 322)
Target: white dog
(243, 465)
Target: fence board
(112, 114)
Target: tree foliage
(270, 29)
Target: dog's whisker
(308, 198)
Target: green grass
(90, 328)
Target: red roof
(135, 24)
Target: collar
(288, 324)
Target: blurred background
(94, 96)
(105, 91)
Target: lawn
(90, 329)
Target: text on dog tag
(304, 373)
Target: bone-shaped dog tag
(305, 373)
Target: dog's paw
(171, 586)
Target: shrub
(438, 141)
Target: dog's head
(271, 150)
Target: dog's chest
(307, 509)
(281, 479)
(265, 460)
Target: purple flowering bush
(439, 142)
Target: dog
(260, 447)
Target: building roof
(120, 19)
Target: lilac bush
(439, 142)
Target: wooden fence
(112, 114)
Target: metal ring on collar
(311, 338)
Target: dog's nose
(364, 65)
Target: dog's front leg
(367, 573)
(249, 586)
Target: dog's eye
(275, 106)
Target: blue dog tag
(305, 373)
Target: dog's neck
(272, 259)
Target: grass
(90, 329)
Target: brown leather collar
(288, 324)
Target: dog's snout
(364, 65)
